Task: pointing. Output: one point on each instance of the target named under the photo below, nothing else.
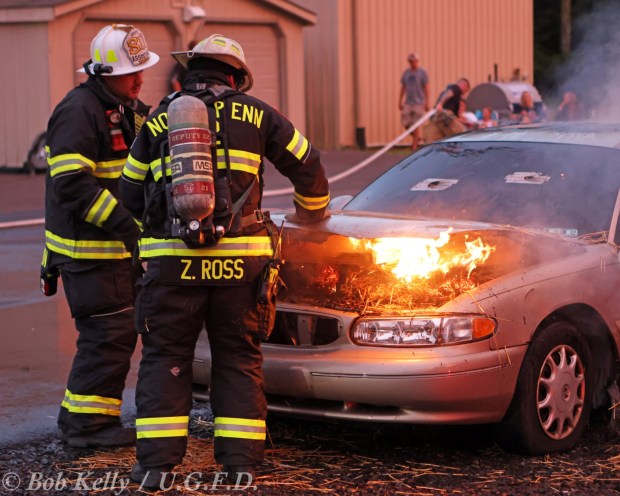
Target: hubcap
(561, 392)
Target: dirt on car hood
(369, 263)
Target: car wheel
(552, 400)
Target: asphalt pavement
(37, 334)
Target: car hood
(330, 264)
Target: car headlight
(422, 331)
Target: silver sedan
(475, 282)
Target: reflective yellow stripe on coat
(79, 403)
(243, 246)
(101, 208)
(154, 427)
(311, 203)
(298, 146)
(86, 249)
(74, 162)
(240, 428)
(111, 169)
(155, 166)
(134, 169)
(68, 162)
(240, 160)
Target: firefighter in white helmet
(90, 236)
(225, 284)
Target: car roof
(571, 133)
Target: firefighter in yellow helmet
(221, 282)
(90, 236)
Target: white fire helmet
(220, 48)
(119, 49)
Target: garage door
(262, 53)
(159, 39)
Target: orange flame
(419, 258)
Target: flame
(420, 258)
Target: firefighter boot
(115, 435)
(152, 477)
(239, 474)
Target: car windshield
(564, 189)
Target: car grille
(298, 328)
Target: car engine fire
(389, 273)
(420, 258)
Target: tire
(37, 157)
(553, 397)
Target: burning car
(474, 282)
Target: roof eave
(307, 17)
(42, 14)
(39, 14)
(68, 7)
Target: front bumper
(465, 383)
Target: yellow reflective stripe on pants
(101, 209)
(79, 403)
(240, 428)
(155, 427)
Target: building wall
(41, 58)
(236, 14)
(284, 33)
(24, 98)
(324, 107)
(344, 87)
(453, 38)
(61, 76)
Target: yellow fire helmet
(220, 48)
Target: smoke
(593, 69)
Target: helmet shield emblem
(135, 46)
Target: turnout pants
(170, 318)
(100, 296)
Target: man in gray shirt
(413, 100)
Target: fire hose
(288, 191)
(366, 161)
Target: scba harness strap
(225, 217)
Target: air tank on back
(191, 161)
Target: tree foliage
(547, 38)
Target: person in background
(445, 121)
(527, 111)
(516, 74)
(222, 283)
(413, 101)
(487, 119)
(570, 108)
(467, 117)
(90, 236)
